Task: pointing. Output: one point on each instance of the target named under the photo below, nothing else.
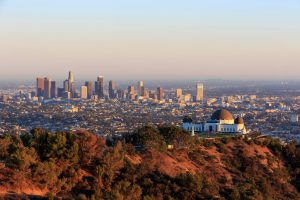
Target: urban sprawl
(112, 111)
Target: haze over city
(167, 40)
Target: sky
(150, 39)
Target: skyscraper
(72, 89)
(4, 98)
(66, 85)
(71, 77)
(112, 89)
(60, 92)
(99, 86)
(141, 88)
(131, 92)
(160, 93)
(84, 92)
(40, 86)
(53, 89)
(66, 95)
(178, 93)
(131, 89)
(121, 94)
(89, 85)
(199, 92)
(47, 92)
(152, 95)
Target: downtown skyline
(47, 88)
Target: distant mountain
(151, 163)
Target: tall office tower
(40, 87)
(47, 92)
(112, 89)
(89, 85)
(72, 89)
(71, 83)
(99, 86)
(96, 88)
(146, 93)
(131, 92)
(199, 92)
(84, 92)
(53, 89)
(66, 95)
(152, 95)
(121, 94)
(178, 93)
(71, 77)
(141, 88)
(131, 89)
(4, 98)
(60, 92)
(160, 93)
(66, 85)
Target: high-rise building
(89, 85)
(146, 93)
(66, 95)
(121, 94)
(99, 86)
(160, 93)
(60, 92)
(131, 92)
(4, 98)
(84, 92)
(96, 89)
(131, 89)
(40, 86)
(53, 89)
(141, 88)
(112, 89)
(152, 95)
(66, 85)
(178, 93)
(199, 92)
(71, 85)
(71, 77)
(72, 89)
(47, 92)
(187, 97)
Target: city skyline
(171, 40)
(46, 88)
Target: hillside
(81, 165)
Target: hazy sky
(150, 39)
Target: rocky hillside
(143, 165)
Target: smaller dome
(239, 120)
(187, 119)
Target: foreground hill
(141, 166)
